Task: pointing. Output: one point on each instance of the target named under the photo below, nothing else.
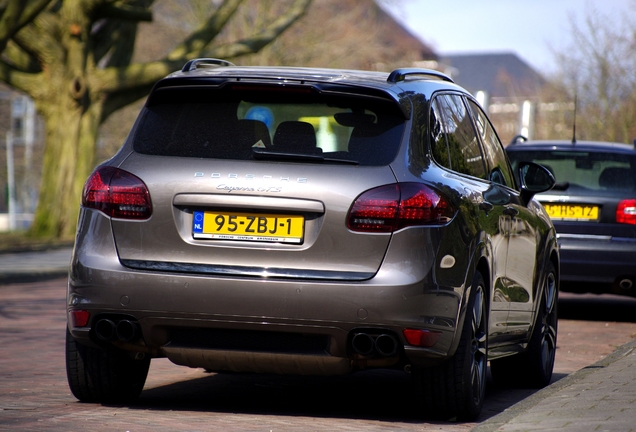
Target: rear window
(602, 173)
(233, 124)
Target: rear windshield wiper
(260, 154)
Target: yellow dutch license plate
(572, 212)
(248, 227)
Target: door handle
(486, 206)
(510, 211)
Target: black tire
(455, 390)
(106, 375)
(533, 368)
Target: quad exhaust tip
(124, 330)
(105, 329)
(626, 284)
(384, 345)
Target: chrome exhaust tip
(386, 345)
(362, 344)
(105, 330)
(127, 331)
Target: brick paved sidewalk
(598, 397)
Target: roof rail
(399, 74)
(518, 139)
(192, 64)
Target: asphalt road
(34, 394)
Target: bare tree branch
(115, 30)
(26, 82)
(16, 15)
(125, 85)
(125, 12)
(255, 43)
(20, 59)
(194, 45)
(136, 75)
(38, 39)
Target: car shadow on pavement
(597, 307)
(388, 396)
(377, 395)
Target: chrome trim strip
(246, 201)
(605, 238)
(584, 237)
(224, 270)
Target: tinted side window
(439, 146)
(463, 145)
(499, 170)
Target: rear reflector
(392, 207)
(79, 318)
(117, 193)
(626, 212)
(421, 338)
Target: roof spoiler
(205, 62)
(400, 74)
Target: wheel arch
(482, 265)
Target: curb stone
(33, 266)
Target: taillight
(392, 207)
(117, 193)
(626, 212)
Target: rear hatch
(254, 179)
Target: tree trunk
(71, 134)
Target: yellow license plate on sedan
(248, 227)
(572, 212)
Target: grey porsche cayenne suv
(313, 221)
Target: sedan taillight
(392, 207)
(626, 212)
(117, 193)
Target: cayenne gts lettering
(230, 188)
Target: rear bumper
(600, 260)
(169, 306)
(260, 324)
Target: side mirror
(534, 179)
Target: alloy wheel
(478, 346)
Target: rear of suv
(593, 208)
(313, 221)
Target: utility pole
(21, 132)
(527, 120)
(11, 181)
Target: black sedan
(593, 208)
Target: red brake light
(626, 212)
(117, 193)
(392, 207)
